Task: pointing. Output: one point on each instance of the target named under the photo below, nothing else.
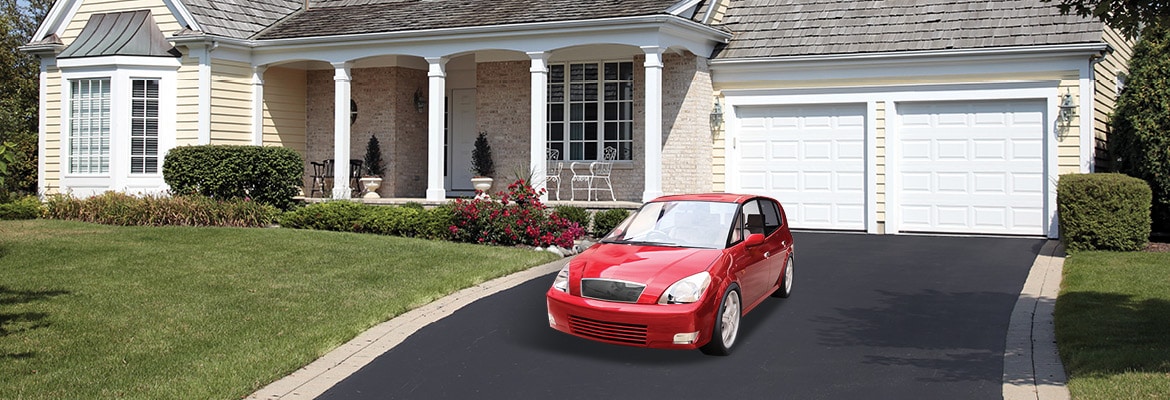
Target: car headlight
(562, 281)
(686, 290)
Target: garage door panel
(815, 161)
(972, 167)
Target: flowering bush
(514, 217)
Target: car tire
(785, 288)
(726, 327)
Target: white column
(341, 79)
(437, 94)
(42, 143)
(203, 53)
(258, 105)
(538, 136)
(653, 65)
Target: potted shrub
(482, 166)
(372, 168)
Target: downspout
(1088, 106)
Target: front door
(461, 139)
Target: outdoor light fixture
(420, 102)
(1068, 110)
(716, 117)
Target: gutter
(1030, 51)
(455, 33)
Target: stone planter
(481, 184)
(371, 183)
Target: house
(877, 116)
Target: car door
(758, 274)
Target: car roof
(716, 197)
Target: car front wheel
(726, 324)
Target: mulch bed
(1158, 247)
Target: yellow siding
(718, 153)
(285, 102)
(1105, 89)
(231, 102)
(1068, 138)
(187, 103)
(52, 154)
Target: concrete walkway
(1031, 364)
(1032, 368)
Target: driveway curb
(1031, 365)
(314, 379)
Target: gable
(770, 28)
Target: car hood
(657, 267)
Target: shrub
(434, 223)
(573, 213)
(24, 208)
(1103, 212)
(1139, 140)
(517, 217)
(414, 205)
(270, 175)
(339, 215)
(398, 221)
(605, 221)
(113, 208)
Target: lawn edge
(314, 379)
(1032, 368)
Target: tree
(1140, 138)
(20, 90)
(1131, 17)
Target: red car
(679, 273)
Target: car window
(753, 218)
(771, 213)
(676, 223)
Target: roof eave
(1074, 49)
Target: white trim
(538, 123)
(1088, 138)
(1026, 51)
(258, 105)
(436, 127)
(342, 78)
(182, 15)
(107, 62)
(1045, 90)
(871, 166)
(57, 19)
(678, 8)
(652, 129)
(202, 52)
(43, 125)
(118, 177)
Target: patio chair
(355, 177)
(598, 171)
(320, 173)
(552, 170)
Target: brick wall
(687, 100)
(503, 110)
(385, 103)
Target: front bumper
(670, 326)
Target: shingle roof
(130, 33)
(342, 17)
(239, 18)
(774, 28)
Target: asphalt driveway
(871, 317)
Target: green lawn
(94, 311)
(1113, 325)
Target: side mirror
(754, 239)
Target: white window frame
(566, 151)
(121, 71)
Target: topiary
(481, 157)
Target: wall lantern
(420, 102)
(717, 117)
(1068, 110)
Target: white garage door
(810, 157)
(972, 167)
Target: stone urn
(371, 183)
(481, 184)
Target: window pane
(556, 132)
(590, 72)
(611, 130)
(556, 73)
(590, 111)
(556, 112)
(556, 93)
(590, 131)
(89, 126)
(144, 126)
(599, 106)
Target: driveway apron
(870, 317)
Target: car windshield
(702, 224)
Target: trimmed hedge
(113, 208)
(348, 216)
(270, 175)
(575, 214)
(23, 208)
(1103, 212)
(605, 221)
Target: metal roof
(130, 33)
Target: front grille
(611, 290)
(608, 331)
